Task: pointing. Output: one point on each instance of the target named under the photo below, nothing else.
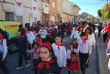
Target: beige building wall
(63, 10)
(67, 14)
(1, 12)
(69, 10)
(59, 9)
(75, 12)
(66, 7)
(53, 10)
(76, 9)
(59, 5)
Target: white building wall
(39, 11)
(26, 17)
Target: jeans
(35, 64)
(21, 55)
(83, 59)
(3, 66)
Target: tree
(104, 13)
(99, 13)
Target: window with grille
(9, 16)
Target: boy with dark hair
(84, 50)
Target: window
(9, 16)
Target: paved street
(13, 60)
(103, 60)
(93, 64)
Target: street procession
(54, 36)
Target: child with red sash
(47, 62)
(73, 64)
(72, 48)
(60, 51)
(35, 52)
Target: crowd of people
(42, 46)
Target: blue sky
(90, 6)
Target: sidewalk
(103, 60)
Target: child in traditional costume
(73, 64)
(47, 62)
(60, 51)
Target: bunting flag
(18, 7)
(46, 8)
(34, 8)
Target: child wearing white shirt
(3, 54)
(72, 48)
(84, 50)
(60, 51)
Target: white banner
(46, 8)
(19, 7)
(34, 8)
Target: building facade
(75, 12)
(69, 11)
(59, 9)
(88, 17)
(44, 11)
(7, 11)
(53, 10)
(1, 11)
(47, 10)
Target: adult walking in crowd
(22, 47)
(3, 53)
